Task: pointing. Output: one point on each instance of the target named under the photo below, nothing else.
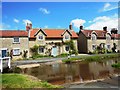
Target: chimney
(105, 28)
(70, 26)
(114, 31)
(81, 27)
(28, 26)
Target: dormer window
(66, 37)
(16, 40)
(93, 37)
(40, 37)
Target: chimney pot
(81, 27)
(105, 28)
(70, 26)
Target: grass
(116, 65)
(24, 81)
(92, 58)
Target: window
(41, 49)
(40, 37)
(67, 48)
(66, 36)
(93, 37)
(16, 51)
(93, 47)
(108, 46)
(16, 40)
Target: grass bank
(24, 81)
(98, 57)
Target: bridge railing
(4, 59)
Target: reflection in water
(67, 73)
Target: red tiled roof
(99, 33)
(13, 33)
(52, 33)
(116, 36)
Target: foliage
(93, 58)
(34, 49)
(116, 65)
(25, 54)
(23, 81)
(34, 56)
(114, 47)
(63, 55)
(72, 47)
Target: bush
(34, 56)
(117, 65)
(63, 55)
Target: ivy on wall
(72, 47)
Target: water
(75, 72)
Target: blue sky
(92, 15)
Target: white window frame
(17, 53)
(14, 40)
(93, 37)
(40, 36)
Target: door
(54, 51)
(4, 53)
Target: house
(116, 40)
(88, 40)
(14, 42)
(51, 41)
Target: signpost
(6, 60)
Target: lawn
(23, 81)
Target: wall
(7, 42)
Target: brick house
(15, 41)
(51, 41)
(88, 40)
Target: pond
(61, 73)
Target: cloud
(99, 22)
(77, 22)
(46, 26)
(25, 21)
(16, 20)
(108, 7)
(4, 26)
(44, 10)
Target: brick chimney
(70, 27)
(105, 28)
(28, 26)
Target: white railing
(7, 59)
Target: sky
(92, 15)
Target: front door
(54, 51)
(4, 53)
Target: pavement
(43, 60)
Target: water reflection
(66, 73)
